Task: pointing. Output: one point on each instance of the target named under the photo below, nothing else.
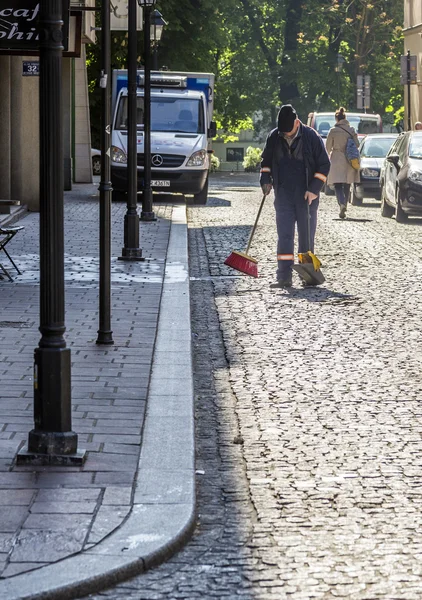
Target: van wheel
(96, 165)
(354, 200)
(118, 196)
(202, 197)
(401, 216)
(386, 209)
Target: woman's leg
(342, 198)
(339, 193)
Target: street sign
(363, 91)
(119, 10)
(413, 71)
(30, 68)
(19, 26)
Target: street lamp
(105, 335)
(147, 213)
(157, 27)
(131, 250)
(52, 440)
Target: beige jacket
(341, 171)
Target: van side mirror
(394, 160)
(212, 130)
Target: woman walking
(342, 175)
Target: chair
(7, 234)
(185, 122)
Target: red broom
(241, 261)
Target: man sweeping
(294, 162)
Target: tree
(268, 52)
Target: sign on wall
(119, 10)
(30, 68)
(19, 25)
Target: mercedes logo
(157, 160)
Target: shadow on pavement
(348, 219)
(322, 295)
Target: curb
(163, 513)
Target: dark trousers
(342, 192)
(290, 209)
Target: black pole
(408, 92)
(131, 250)
(52, 440)
(147, 213)
(104, 332)
(155, 57)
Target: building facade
(19, 115)
(413, 42)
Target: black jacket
(315, 157)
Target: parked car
(96, 161)
(401, 178)
(364, 123)
(373, 149)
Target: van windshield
(362, 124)
(167, 114)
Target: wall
(223, 151)
(413, 42)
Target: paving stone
(46, 545)
(107, 519)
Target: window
(167, 114)
(234, 154)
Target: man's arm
(265, 177)
(322, 164)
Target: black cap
(286, 118)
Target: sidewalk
(68, 531)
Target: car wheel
(202, 197)
(96, 165)
(118, 196)
(386, 209)
(401, 216)
(354, 199)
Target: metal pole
(52, 440)
(104, 331)
(147, 213)
(409, 127)
(131, 250)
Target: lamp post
(157, 27)
(131, 250)
(104, 332)
(147, 213)
(52, 440)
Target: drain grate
(15, 325)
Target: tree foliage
(268, 52)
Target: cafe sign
(19, 30)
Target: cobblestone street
(308, 415)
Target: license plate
(160, 183)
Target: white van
(181, 127)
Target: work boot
(282, 283)
(343, 209)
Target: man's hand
(310, 197)
(266, 188)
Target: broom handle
(309, 225)
(255, 224)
